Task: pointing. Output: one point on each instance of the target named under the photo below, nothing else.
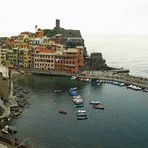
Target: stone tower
(57, 23)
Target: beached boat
(12, 129)
(5, 131)
(62, 111)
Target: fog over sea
(127, 51)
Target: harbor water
(123, 122)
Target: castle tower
(57, 23)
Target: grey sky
(90, 16)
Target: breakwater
(110, 75)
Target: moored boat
(62, 111)
(98, 106)
(81, 114)
(80, 111)
(73, 77)
(79, 105)
(94, 102)
(81, 117)
(57, 90)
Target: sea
(123, 122)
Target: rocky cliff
(96, 62)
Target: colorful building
(44, 60)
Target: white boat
(81, 114)
(5, 131)
(81, 111)
(81, 117)
(94, 102)
(73, 77)
(57, 90)
(98, 106)
(145, 90)
(78, 101)
(77, 97)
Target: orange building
(39, 33)
(70, 61)
(43, 59)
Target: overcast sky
(90, 16)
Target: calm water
(128, 51)
(122, 124)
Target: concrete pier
(110, 75)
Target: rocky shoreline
(12, 104)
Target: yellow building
(20, 45)
(3, 56)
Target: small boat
(12, 129)
(94, 102)
(79, 105)
(98, 106)
(57, 90)
(73, 77)
(74, 93)
(81, 114)
(145, 89)
(62, 111)
(78, 101)
(77, 97)
(98, 84)
(81, 117)
(80, 111)
(73, 88)
(5, 131)
(85, 79)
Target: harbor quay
(104, 75)
(120, 77)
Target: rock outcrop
(96, 62)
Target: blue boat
(79, 105)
